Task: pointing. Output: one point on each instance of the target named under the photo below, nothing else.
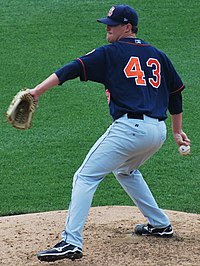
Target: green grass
(37, 166)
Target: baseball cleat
(60, 251)
(149, 230)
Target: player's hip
(145, 128)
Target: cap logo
(111, 11)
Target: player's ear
(128, 27)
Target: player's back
(140, 77)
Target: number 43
(133, 70)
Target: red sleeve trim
(84, 70)
(179, 90)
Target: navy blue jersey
(138, 78)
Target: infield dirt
(108, 239)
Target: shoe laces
(60, 244)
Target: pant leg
(81, 199)
(133, 182)
(136, 187)
(108, 153)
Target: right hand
(181, 139)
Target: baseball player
(141, 84)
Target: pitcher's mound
(108, 239)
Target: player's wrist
(36, 92)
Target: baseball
(184, 150)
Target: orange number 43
(133, 70)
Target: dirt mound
(108, 239)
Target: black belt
(135, 116)
(139, 116)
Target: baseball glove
(21, 109)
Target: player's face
(114, 33)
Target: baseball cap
(120, 14)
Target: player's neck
(131, 36)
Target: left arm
(47, 84)
(67, 72)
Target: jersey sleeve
(175, 103)
(69, 71)
(93, 66)
(88, 67)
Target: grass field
(37, 166)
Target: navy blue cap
(120, 14)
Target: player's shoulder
(158, 51)
(109, 48)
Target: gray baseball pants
(126, 145)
